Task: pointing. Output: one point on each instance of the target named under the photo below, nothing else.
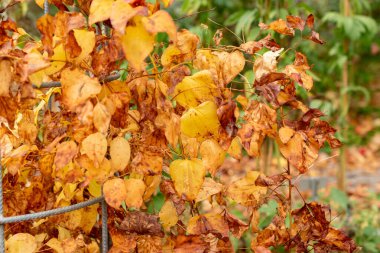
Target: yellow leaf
(201, 121)
(55, 245)
(102, 118)
(137, 44)
(168, 215)
(161, 21)
(114, 192)
(235, 148)
(95, 147)
(190, 146)
(94, 188)
(21, 243)
(209, 188)
(245, 191)
(135, 190)
(285, 134)
(195, 89)
(212, 155)
(58, 60)
(100, 11)
(122, 12)
(224, 66)
(188, 176)
(89, 217)
(6, 77)
(86, 41)
(77, 87)
(120, 152)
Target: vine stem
(290, 200)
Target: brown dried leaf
(142, 224)
(295, 22)
(245, 191)
(208, 223)
(208, 189)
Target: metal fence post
(2, 235)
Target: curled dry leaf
(115, 192)
(279, 26)
(208, 189)
(285, 134)
(266, 64)
(141, 224)
(295, 22)
(245, 191)
(208, 223)
(236, 226)
(300, 151)
(223, 66)
(188, 176)
(120, 152)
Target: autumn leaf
(195, 89)
(168, 215)
(137, 43)
(135, 189)
(122, 12)
(212, 155)
(115, 192)
(200, 121)
(77, 87)
(223, 66)
(100, 11)
(65, 153)
(245, 191)
(161, 21)
(188, 176)
(21, 242)
(95, 147)
(279, 26)
(120, 152)
(6, 73)
(208, 223)
(102, 118)
(208, 189)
